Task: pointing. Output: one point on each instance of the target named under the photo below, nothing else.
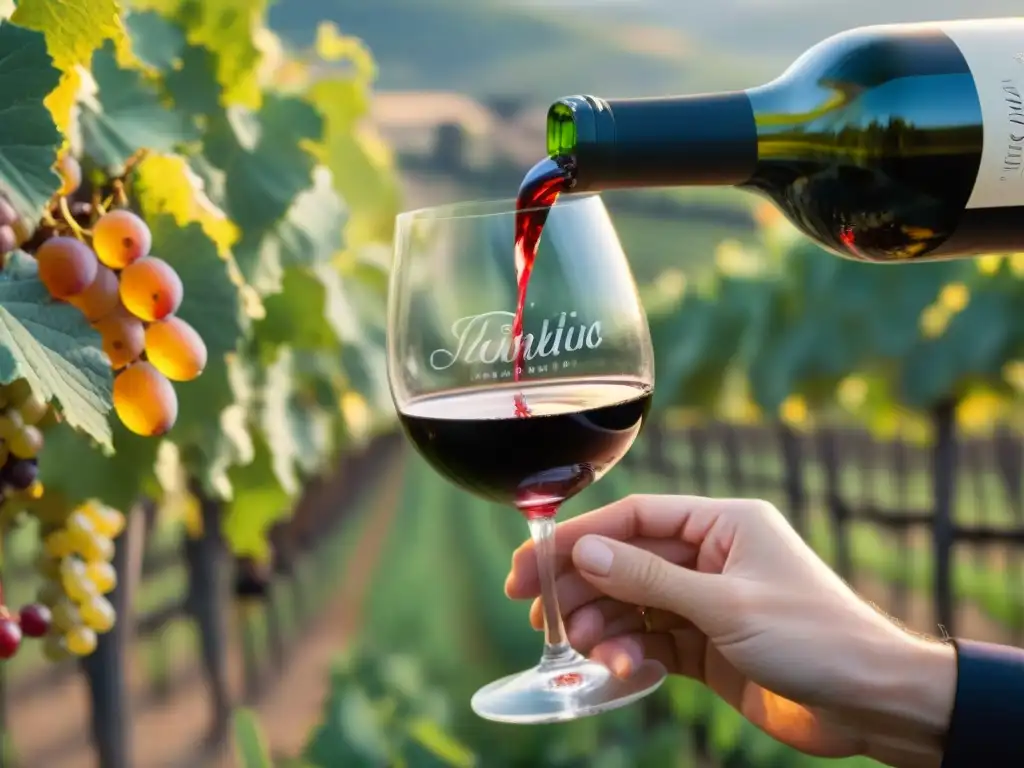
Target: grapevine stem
(75, 227)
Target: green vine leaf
(156, 41)
(53, 347)
(300, 432)
(125, 114)
(266, 166)
(312, 230)
(257, 503)
(29, 140)
(276, 421)
(296, 316)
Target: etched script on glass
(486, 340)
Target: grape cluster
(99, 261)
(75, 563)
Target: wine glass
(576, 408)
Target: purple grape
(19, 473)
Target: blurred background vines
(264, 574)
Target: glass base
(568, 690)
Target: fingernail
(622, 666)
(591, 554)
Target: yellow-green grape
(47, 567)
(103, 576)
(10, 424)
(5, 452)
(50, 593)
(66, 615)
(79, 524)
(74, 581)
(55, 649)
(107, 521)
(27, 442)
(33, 409)
(98, 614)
(58, 544)
(80, 641)
(95, 548)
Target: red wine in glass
(577, 431)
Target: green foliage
(126, 115)
(791, 320)
(382, 711)
(29, 141)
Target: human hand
(735, 599)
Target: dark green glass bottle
(882, 143)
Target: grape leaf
(213, 429)
(296, 316)
(258, 502)
(193, 86)
(51, 345)
(355, 310)
(74, 29)
(226, 28)
(166, 184)
(275, 420)
(311, 231)
(29, 140)
(365, 177)
(265, 166)
(78, 469)
(125, 115)
(156, 41)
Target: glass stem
(557, 650)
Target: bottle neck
(706, 140)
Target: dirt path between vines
(50, 726)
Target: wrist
(905, 690)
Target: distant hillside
(538, 49)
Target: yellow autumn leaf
(226, 27)
(333, 46)
(164, 184)
(74, 30)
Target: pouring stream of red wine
(538, 192)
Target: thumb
(634, 575)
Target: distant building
(426, 123)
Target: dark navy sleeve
(987, 726)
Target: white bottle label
(994, 51)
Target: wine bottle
(883, 143)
